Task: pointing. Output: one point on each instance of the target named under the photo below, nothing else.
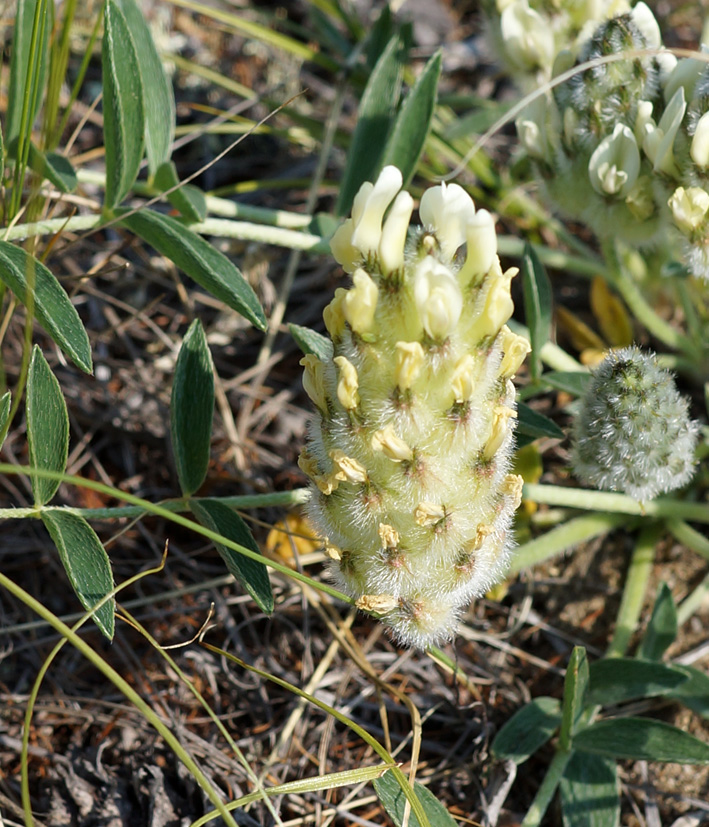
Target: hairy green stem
(590, 500)
(636, 581)
(639, 306)
(283, 499)
(566, 536)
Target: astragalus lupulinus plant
(409, 456)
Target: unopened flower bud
(528, 39)
(659, 141)
(497, 304)
(334, 314)
(463, 378)
(482, 247)
(633, 432)
(342, 248)
(501, 417)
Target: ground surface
(93, 758)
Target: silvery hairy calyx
(624, 144)
(633, 432)
(409, 455)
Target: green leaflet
(199, 259)
(252, 574)
(123, 106)
(192, 409)
(85, 561)
(52, 307)
(47, 426)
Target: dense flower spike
(624, 145)
(410, 454)
(529, 34)
(633, 433)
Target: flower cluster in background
(530, 35)
(623, 146)
(409, 456)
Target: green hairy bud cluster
(624, 146)
(633, 433)
(409, 456)
(529, 34)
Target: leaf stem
(591, 500)
(636, 581)
(546, 791)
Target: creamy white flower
(393, 240)
(699, 149)
(360, 303)
(644, 19)
(445, 211)
(482, 246)
(689, 208)
(527, 36)
(659, 140)
(685, 74)
(409, 359)
(438, 298)
(369, 207)
(642, 119)
(348, 385)
(615, 163)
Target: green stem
(123, 686)
(283, 499)
(222, 207)
(160, 511)
(568, 535)
(219, 227)
(636, 581)
(641, 309)
(546, 791)
(688, 536)
(590, 500)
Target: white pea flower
(615, 163)
(689, 208)
(438, 298)
(659, 140)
